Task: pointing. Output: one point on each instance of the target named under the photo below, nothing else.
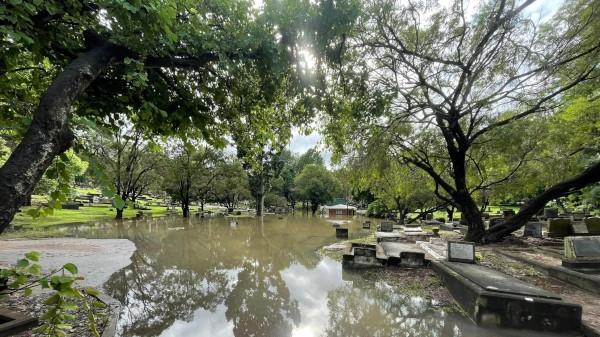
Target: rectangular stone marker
(550, 213)
(461, 251)
(582, 252)
(366, 225)
(386, 227)
(341, 233)
(579, 228)
(533, 229)
(559, 227)
(593, 225)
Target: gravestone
(593, 225)
(508, 214)
(559, 227)
(533, 229)
(550, 212)
(461, 251)
(366, 225)
(386, 227)
(582, 252)
(341, 233)
(429, 216)
(579, 228)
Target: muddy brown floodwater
(264, 277)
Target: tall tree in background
(441, 85)
(130, 160)
(316, 185)
(231, 185)
(190, 174)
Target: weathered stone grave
(533, 229)
(507, 214)
(341, 233)
(412, 228)
(493, 299)
(386, 227)
(366, 225)
(582, 252)
(593, 225)
(402, 254)
(579, 228)
(461, 251)
(559, 227)
(361, 256)
(550, 212)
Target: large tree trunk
(472, 216)
(49, 134)
(589, 176)
(314, 207)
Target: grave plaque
(366, 225)
(461, 251)
(593, 225)
(533, 229)
(341, 233)
(582, 252)
(386, 227)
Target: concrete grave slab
(582, 252)
(579, 228)
(403, 254)
(494, 299)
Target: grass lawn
(85, 213)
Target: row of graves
(489, 297)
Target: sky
(541, 9)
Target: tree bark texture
(49, 134)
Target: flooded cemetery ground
(263, 277)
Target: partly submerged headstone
(361, 256)
(341, 233)
(559, 227)
(366, 225)
(533, 229)
(461, 251)
(582, 252)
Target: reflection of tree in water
(173, 275)
(259, 304)
(154, 296)
(380, 312)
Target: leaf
(52, 300)
(28, 292)
(71, 268)
(33, 256)
(92, 291)
(22, 263)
